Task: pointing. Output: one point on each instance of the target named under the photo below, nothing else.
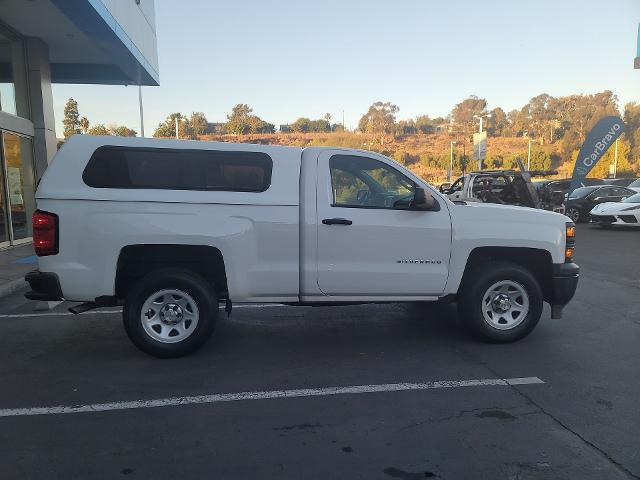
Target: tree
(84, 124)
(498, 123)
(406, 127)
(71, 120)
(631, 119)
(463, 114)
(301, 125)
(539, 115)
(198, 124)
(540, 159)
(167, 129)
(319, 126)
(380, 119)
(424, 124)
(122, 131)
(238, 121)
(99, 129)
(257, 125)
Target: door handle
(336, 221)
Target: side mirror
(423, 200)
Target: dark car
(620, 182)
(582, 200)
(564, 184)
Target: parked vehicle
(626, 212)
(635, 185)
(170, 229)
(582, 200)
(507, 187)
(620, 182)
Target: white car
(626, 212)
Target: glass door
(18, 172)
(4, 222)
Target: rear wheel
(574, 214)
(170, 313)
(500, 302)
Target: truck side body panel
(257, 233)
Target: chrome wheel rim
(169, 316)
(573, 214)
(505, 305)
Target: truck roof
(63, 177)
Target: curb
(13, 286)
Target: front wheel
(500, 302)
(574, 214)
(170, 313)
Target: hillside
(429, 154)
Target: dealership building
(42, 42)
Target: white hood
(615, 208)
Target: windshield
(635, 183)
(581, 192)
(633, 199)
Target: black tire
(200, 291)
(477, 282)
(575, 214)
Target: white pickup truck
(173, 229)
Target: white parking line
(234, 397)
(118, 311)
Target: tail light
(45, 233)
(570, 242)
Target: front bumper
(617, 219)
(44, 286)
(564, 284)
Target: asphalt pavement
(374, 392)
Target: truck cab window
(367, 183)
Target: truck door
(368, 246)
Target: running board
(83, 307)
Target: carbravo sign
(599, 139)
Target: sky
(288, 59)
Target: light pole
(529, 153)
(615, 160)
(481, 117)
(141, 111)
(178, 119)
(451, 161)
(487, 115)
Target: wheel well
(538, 262)
(136, 261)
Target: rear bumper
(564, 284)
(44, 286)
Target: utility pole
(177, 134)
(141, 110)
(344, 127)
(615, 160)
(451, 162)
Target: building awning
(87, 44)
